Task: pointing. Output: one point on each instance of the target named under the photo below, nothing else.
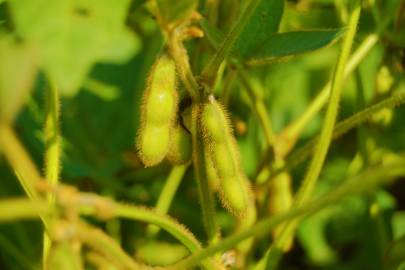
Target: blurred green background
(104, 72)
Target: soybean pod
(221, 148)
(158, 112)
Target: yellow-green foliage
(158, 112)
(223, 152)
(180, 145)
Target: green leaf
(172, 11)
(73, 35)
(17, 74)
(264, 22)
(278, 45)
(291, 43)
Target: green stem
(292, 132)
(52, 151)
(177, 230)
(226, 89)
(206, 197)
(18, 209)
(304, 193)
(258, 107)
(27, 174)
(362, 183)
(209, 73)
(180, 56)
(167, 195)
(343, 127)
(101, 242)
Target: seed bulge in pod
(214, 121)
(160, 100)
(154, 144)
(234, 194)
(180, 145)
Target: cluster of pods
(165, 133)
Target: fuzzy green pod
(180, 145)
(154, 144)
(212, 176)
(222, 151)
(158, 112)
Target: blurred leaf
(72, 36)
(17, 74)
(291, 43)
(172, 11)
(398, 224)
(103, 91)
(395, 254)
(264, 22)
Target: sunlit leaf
(73, 35)
(17, 74)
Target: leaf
(17, 74)
(264, 22)
(73, 35)
(280, 44)
(172, 11)
(291, 43)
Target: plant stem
(21, 208)
(27, 174)
(364, 182)
(206, 197)
(180, 56)
(258, 107)
(167, 194)
(270, 260)
(52, 152)
(101, 242)
(345, 126)
(291, 133)
(209, 73)
(171, 226)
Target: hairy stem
(52, 151)
(98, 240)
(206, 197)
(364, 182)
(27, 174)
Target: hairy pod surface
(158, 112)
(154, 144)
(212, 176)
(180, 145)
(222, 151)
